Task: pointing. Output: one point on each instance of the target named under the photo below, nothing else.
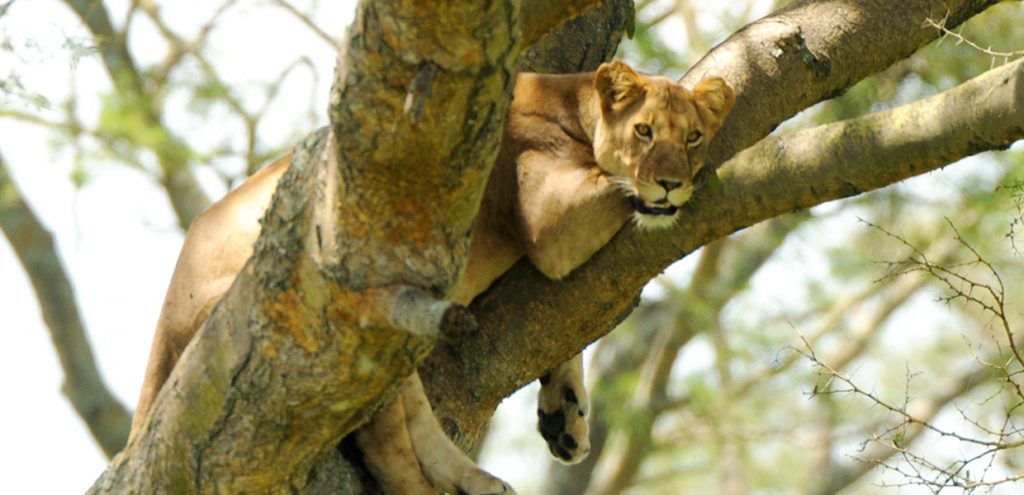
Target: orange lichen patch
(289, 316)
(368, 308)
(269, 352)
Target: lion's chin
(653, 217)
(647, 221)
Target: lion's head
(653, 134)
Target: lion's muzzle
(641, 207)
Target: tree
(779, 66)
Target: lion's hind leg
(387, 451)
(562, 411)
(448, 468)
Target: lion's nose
(669, 184)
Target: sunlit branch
(308, 21)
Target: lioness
(581, 154)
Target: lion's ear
(715, 99)
(618, 85)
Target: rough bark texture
(108, 420)
(776, 75)
(338, 303)
(812, 51)
(583, 43)
(307, 343)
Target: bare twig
(989, 296)
(305, 19)
(972, 470)
(961, 39)
(187, 197)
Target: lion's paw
(562, 417)
(479, 482)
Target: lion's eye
(693, 138)
(643, 130)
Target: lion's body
(547, 198)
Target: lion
(581, 155)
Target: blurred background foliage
(864, 343)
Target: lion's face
(652, 137)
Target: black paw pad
(552, 428)
(570, 396)
(550, 425)
(568, 441)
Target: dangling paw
(479, 482)
(562, 414)
(446, 467)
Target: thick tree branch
(778, 176)
(814, 50)
(288, 363)
(541, 17)
(417, 91)
(583, 43)
(338, 303)
(108, 420)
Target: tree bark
(367, 230)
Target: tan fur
(570, 150)
(660, 169)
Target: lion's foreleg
(562, 409)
